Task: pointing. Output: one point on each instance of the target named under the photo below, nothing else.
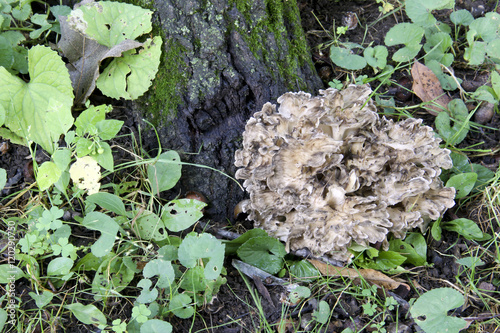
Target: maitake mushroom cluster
(324, 172)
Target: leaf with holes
(87, 314)
(39, 110)
(180, 214)
(202, 246)
(163, 269)
(146, 296)
(130, 76)
(108, 229)
(430, 311)
(149, 226)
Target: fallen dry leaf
(370, 275)
(428, 88)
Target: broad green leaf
(303, 269)
(436, 230)
(470, 262)
(419, 11)
(87, 120)
(87, 314)
(108, 228)
(111, 277)
(131, 75)
(456, 133)
(493, 50)
(41, 109)
(180, 305)
(430, 311)
(91, 263)
(465, 227)
(202, 246)
(475, 53)
(463, 183)
(180, 214)
(417, 240)
(8, 271)
(156, 326)
(150, 226)
(263, 252)
(164, 172)
(386, 260)
(62, 158)
(3, 319)
(495, 83)
(108, 201)
(3, 178)
(163, 269)
(322, 314)
(407, 251)
(110, 23)
(6, 53)
(108, 129)
(344, 58)
(376, 57)
(146, 295)
(485, 28)
(484, 176)
(299, 293)
(404, 33)
(461, 17)
(47, 175)
(59, 266)
(43, 299)
(193, 280)
(105, 158)
(233, 245)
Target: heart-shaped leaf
(202, 246)
(108, 228)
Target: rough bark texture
(223, 60)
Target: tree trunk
(223, 59)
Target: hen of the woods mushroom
(326, 172)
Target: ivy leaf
(41, 109)
(108, 228)
(130, 76)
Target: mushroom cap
(326, 171)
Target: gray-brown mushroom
(325, 172)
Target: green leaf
(202, 246)
(386, 260)
(465, 227)
(150, 226)
(112, 276)
(493, 50)
(303, 269)
(108, 228)
(163, 269)
(430, 311)
(156, 326)
(376, 57)
(404, 33)
(475, 53)
(495, 83)
(470, 262)
(110, 23)
(484, 176)
(233, 245)
(3, 319)
(146, 296)
(408, 251)
(436, 230)
(105, 158)
(193, 280)
(130, 76)
(41, 109)
(60, 267)
(8, 271)
(43, 299)
(322, 314)
(344, 58)
(62, 158)
(87, 314)
(299, 293)
(108, 129)
(463, 183)
(263, 252)
(485, 28)
(3, 178)
(164, 172)
(47, 175)
(461, 17)
(180, 214)
(108, 201)
(456, 133)
(419, 11)
(180, 305)
(87, 120)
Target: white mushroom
(325, 172)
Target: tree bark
(223, 59)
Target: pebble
(484, 113)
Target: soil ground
(234, 309)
